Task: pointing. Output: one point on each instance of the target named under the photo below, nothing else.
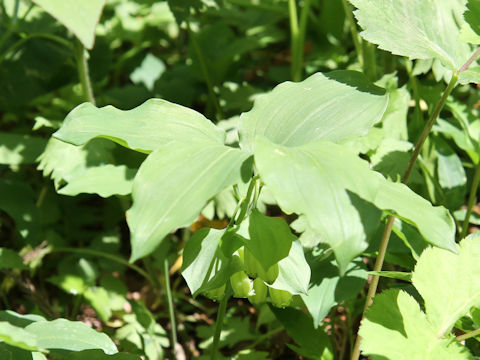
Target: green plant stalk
(298, 37)
(471, 200)
(468, 335)
(206, 75)
(417, 112)
(294, 39)
(222, 307)
(357, 42)
(372, 289)
(246, 203)
(83, 73)
(171, 312)
(107, 256)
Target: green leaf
(104, 180)
(328, 289)
(173, 185)
(270, 239)
(293, 272)
(400, 275)
(18, 149)
(80, 17)
(449, 283)
(148, 72)
(336, 192)
(314, 109)
(312, 342)
(418, 29)
(9, 259)
(201, 262)
(16, 336)
(62, 334)
(471, 75)
(145, 128)
(472, 15)
(19, 319)
(99, 298)
(394, 327)
(100, 355)
(72, 284)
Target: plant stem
(471, 200)
(206, 75)
(83, 73)
(107, 256)
(357, 42)
(219, 322)
(298, 37)
(171, 312)
(389, 225)
(428, 126)
(468, 335)
(470, 61)
(294, 38)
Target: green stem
(106, 256)
(206, 75)
(471, 200)
(429, 125)
(468, 335)
(222, 307)
(294, 40)
(300, 42)
(357, 42)
(83, 73)
(372, 289)
(171, 312)
(246, 203)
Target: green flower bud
(280, 298)
(242, 285)
(215, 294)
(260, 292)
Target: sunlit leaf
(80, 17)
(333, 106)
(174, 184)
(145, 128)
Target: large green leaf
(63, 334)
(173, 185)
(270, 239)
(100, 355)
(80, 17)
(204, 267)
(336, 192)
(418, 29)
(85, 169)
(327, 288)
(104, 180)
(449, 283)
(145, 128)
(16, 336)
(293, 272)
(333, 106)
(394, 327)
